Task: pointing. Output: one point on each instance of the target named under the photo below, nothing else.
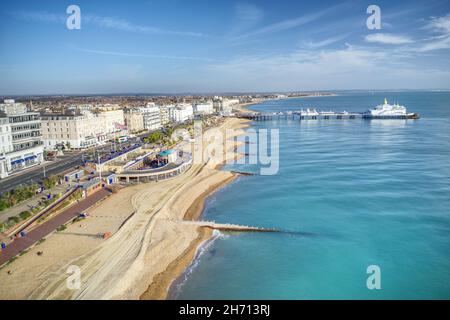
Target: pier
(258, 116)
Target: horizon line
(207, 93)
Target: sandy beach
(150, 246)
(243, 107)
(158, 289)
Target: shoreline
(162, 283)
(150, 247)
(196, 209)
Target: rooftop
(165, 153)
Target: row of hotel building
(24, 135)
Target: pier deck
(257, 116)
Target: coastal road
(43, 230)
(36, 174)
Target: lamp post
(99, 169)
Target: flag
(120, 126)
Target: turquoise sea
(348, 194)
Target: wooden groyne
(242, 173)
(230, 227)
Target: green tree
(50, 182)
(12, 199)
(13, 220)
(3, 204)
(154, 137)
(24, 215)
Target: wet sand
(159, 288)
(195, 210)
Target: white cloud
(291, 23)
(39, 16)
(102, 22)
(441, 26)
(248, 14)
(440, 43)
(324, 42)
(387, 38)
(349, 68)
(138, 55)
(124, 25)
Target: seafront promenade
(22, 242)
(148, 227)
(168, 171)
(46, 228)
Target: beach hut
(91, 186)
(74, 175)
(110, 179)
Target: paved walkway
(43, 230)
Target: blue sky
(172, 46)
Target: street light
(99, 169)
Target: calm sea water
(349, 194)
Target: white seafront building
(5, 135)
(164, 113)
(80, 129)
(181, 112)
(151, 116)
(73, 130)
(224, 105)
(204, 108)
(134, 121)
(20, 138)
(110, 121)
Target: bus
(122, 139)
